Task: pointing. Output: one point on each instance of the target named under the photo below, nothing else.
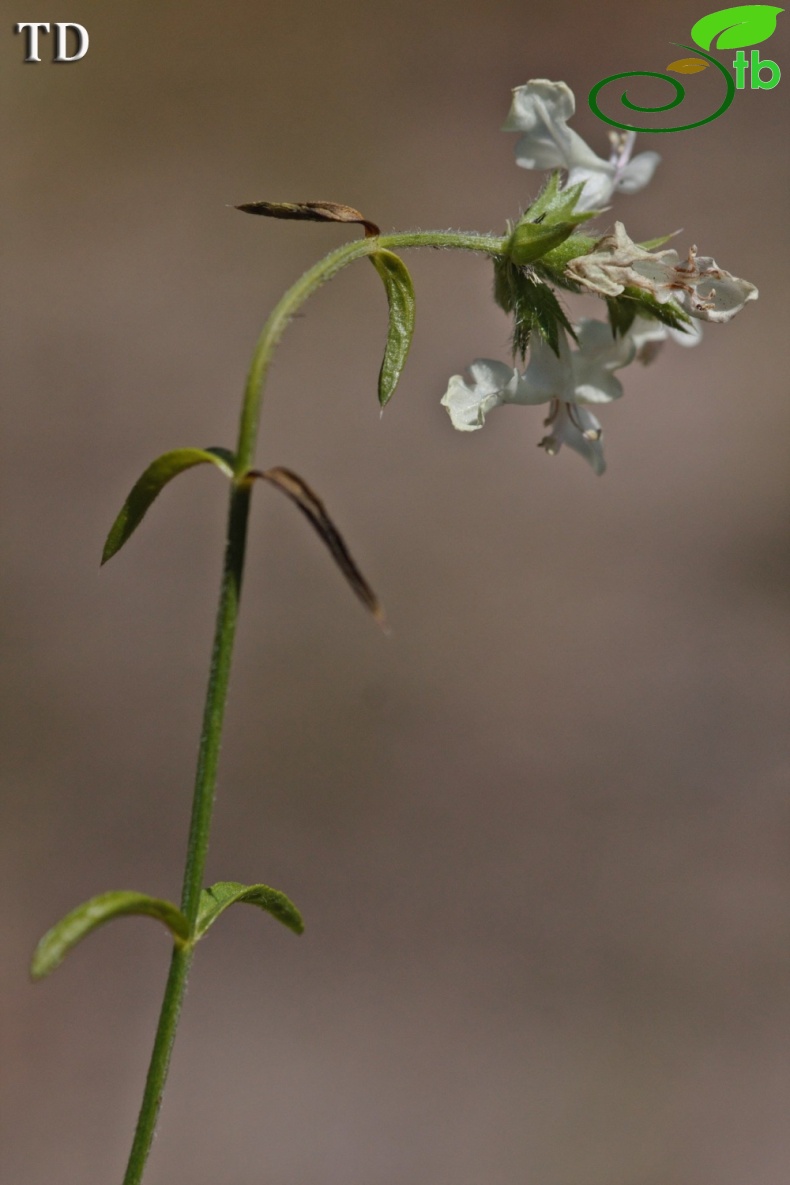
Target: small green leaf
(217, 898)
(745, 24)
(651, 244)
(400, 297)
(152, 482)
(58, 941)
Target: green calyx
(530, 241)
(557, 203)
(552, 265)
(534, 257)
(551, 220)
(522, 293)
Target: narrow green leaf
(311, 506)
(745, 24)
(400, 297)
(651, 244)
(217, 898)
(58, 941)
(152, 482)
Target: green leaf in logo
(746, 24)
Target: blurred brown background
(541, 836)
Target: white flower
(492, 383)
(567, 383)
(579, 429)
(650, 336)
(698, 284)
(541, 110)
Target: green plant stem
(295, 297)
(199, 829)
(216, 698)
(160, 1062)
(222, 651)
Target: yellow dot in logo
(688, 65)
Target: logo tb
(729, 28)
(741, 65)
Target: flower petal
(582, 375)
(617, 261)
(717, 295)
(698, 284)
(469, 403)
(599, 185)
(600, 353)
(547, 376)
(584, 436)
(599, 346)
(649, 337)
(557, 97)
(689, 335)
(541, 109)
(638, 172)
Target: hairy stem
(160, 1063)
(216, 697)
(295, 297)
(224, 633)
(199, 829)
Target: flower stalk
(224, 635)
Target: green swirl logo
(731, 28)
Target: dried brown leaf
(314, 510)
(311, 212)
